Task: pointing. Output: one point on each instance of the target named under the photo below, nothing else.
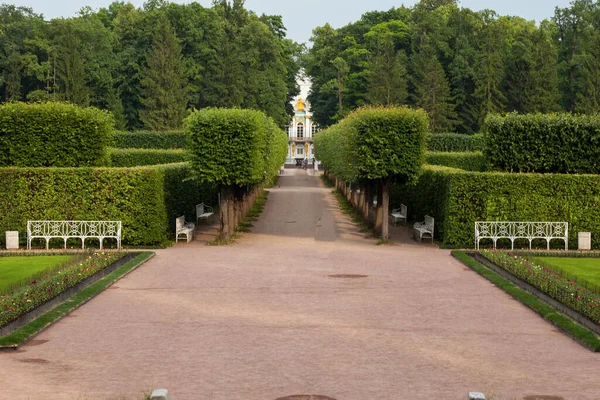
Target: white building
(301, 129)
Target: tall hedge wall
(456, 199)
(146, 199)
(150, 140)
(139, 157)
(545, 143)
(374, 143)
(234, 146)
(468, 161)
(54, 135)
(454, 142)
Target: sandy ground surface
(268, 318)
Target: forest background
(149, 65)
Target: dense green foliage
(457, 199)
(468, 161)
(234, 146)
(145, 199)
(53, 135)
(147, 65)
(560, 288)
(375, 143)
(150, 140)
(554, 143)
(138, 157)
(457, 64)
(454, 142)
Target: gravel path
(282, 313)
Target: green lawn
(587, 269)
(16, 269)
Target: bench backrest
(199, 209)
(403, 209)
(179, 223)
(429, 223)
(74, 228)
(541, 230)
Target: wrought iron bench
(398, 214)
(74, 229)
(203, 212)
(184, 228)
(521, 230)
(424, 228)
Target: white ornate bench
(184, 228)
(74, 229)
(398, 214)
(424, 228)
(521, 230)
(203, 212)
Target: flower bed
(562, 289)
(48, 286)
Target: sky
(301, 17)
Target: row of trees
(458, 64)
(149, 65)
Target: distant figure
(305, 163)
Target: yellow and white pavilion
(300, 134)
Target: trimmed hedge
(545, 143)
(468, 161)
(456, 199)
(139, 157)
(150, 140)
(375, 143)
(234, 146)
(146, 199)
(54, 135)
(454, 142)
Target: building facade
(301, 129)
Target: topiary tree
(236, 150)
(376, 145)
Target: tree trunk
(385, 205)
(223, 211)
(379, 213)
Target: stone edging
(44, 308)
(574, 315)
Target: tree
(387, 80)
(432, 91)
(163, 82)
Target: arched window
(314, 129)
(300, 131)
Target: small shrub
(468, 161)
(150, 140)
(454, 142)
(139, 157)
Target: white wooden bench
(398, 214)
(521, 230)
(203, 212)
(424, 229)
(184, 228)
(74, 229)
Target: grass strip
(579, 333)
(34, 327)
(348, 209)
